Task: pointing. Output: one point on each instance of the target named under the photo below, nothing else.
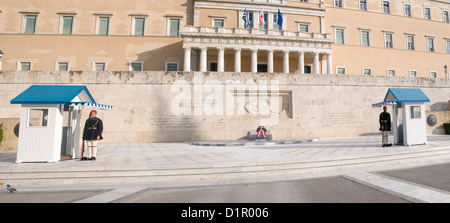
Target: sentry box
(43, 137)
(408, 115)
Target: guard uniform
(93, 128)
(385, 127)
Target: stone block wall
(195, 106)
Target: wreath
(261, 134)
(265, 130)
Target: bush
(1, 136)
(447, 128)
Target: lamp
(445, 69)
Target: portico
(262, 50)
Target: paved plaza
(124, 170)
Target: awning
(73, 95)
(384, 103)
(402, 95)
(87, 104)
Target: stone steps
(202, 172)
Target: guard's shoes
(388, 145)
(92, 158)
(84, 158)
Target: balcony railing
(263, 33)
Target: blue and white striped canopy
(87, 104)
(384, 103)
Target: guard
(385, 126)
(92, 133)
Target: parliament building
(409, 38)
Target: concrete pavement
(129, 168)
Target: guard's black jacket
(385, 121)
(93, 128)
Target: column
(301, 62)
(203, 57)
(270, 61)
(221, 60)
(237, 60)
(329, 65)
(187, 59)
(254, 61)
(285, 61)
(316, 63)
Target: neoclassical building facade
(354, 37)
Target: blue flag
(280, 19)
(246, 19)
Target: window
(218, 22)
(303, 28)
(340, 70)
(367, 71)
(24, 65)
(250, 20)
(340, 36)
(136, 66)
(386, 7)
(275, 23)
(103, 26)
(30, 24)
(427, 12)
(265, 23)
(433, 74)
(413, 73)
(66, 26)
(174, 27)
(389, 43)
(138, 26)
(38, 118)
(390, 72)
(338, 3)
(99, 66)
(262, 68)
(171, 66)
(62, 66)
(445, 16)
(407, 10)
(363, 5)
(430, 44)
(213, 66)
(416, 112)
(447, 45)
(410, 42)
(307, 69)
(365, 41)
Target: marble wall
(195, 106)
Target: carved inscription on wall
(173, 122)
(335, 119)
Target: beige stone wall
(10, 140)
(310, 105)
(442, 117)
(45, 48)
(355, 57)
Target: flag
(261, 18)
(280, 19)
(246, 19)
